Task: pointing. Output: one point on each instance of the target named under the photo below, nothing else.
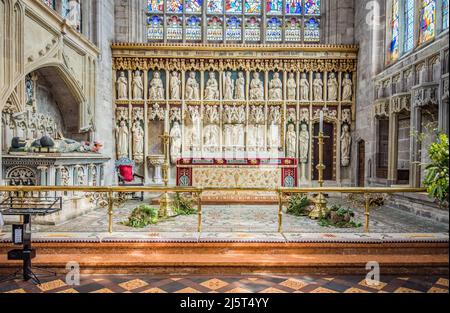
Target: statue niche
(256, 88)
(156, 87)
(192, 87)
(276, 88)
(212, 88)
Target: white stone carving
(175, 142)
(228, 86)
(122, 86)
(276, 88)
(332, 87)
(122, 139)
(255, 135)
(212, 88)
(156, 87)
(291, 142)
(346, 141)
(304, 88)
(256, 88)
(240, 87)
(156, 112)
(175, 86)
(304, 143)
(193, 131)
(347, 85)
(138, 141)
(211, 132)
(291, 87)
(192, 87)
(318, 88)
(73, 15)
(274, 128)
(138, 87)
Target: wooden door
(328, 153)
(361, 163)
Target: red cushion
(126, 171)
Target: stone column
(393, 149)
(415, 157)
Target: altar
(236, 173)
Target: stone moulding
(426, 95)
(400, 102)
(381, 108)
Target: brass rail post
(280, 211)
(367, 211)
(110, 211)
(199, 211)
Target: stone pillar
(415, 157)
(393, 149)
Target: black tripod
(27, 253)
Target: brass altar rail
(281, 192)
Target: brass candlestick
(164, 201)
(320, 208)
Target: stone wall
(339, 26)
(104, 129)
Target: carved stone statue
(175, 142)
(138, 87)
(318, 88)
(347, 91)
(291, 141)
(256, 88)
(346, 141)
(156, 87)
(332, 88)
(304, 88)
(228, 87)
(175, 86)
(73, 15)
(138, 141)
(192, 87)
(291, 87)
(275, 88)
(240, 87)
(122, 87)
(304, 143)
(255, 138)
(122, 140)
(212, 88)
(194, 131)
(274, 128)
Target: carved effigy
(138, 86)
(274, 128)
(291, 142)
(212, 88)
(291, 87)
(211, 132)
(228, 86)
(346, 141)
(192, 87)
(318, 87)
(137, 130)
(234, 128)
(240, 87)
(122, 139)
(255, 134)
(193, 129)
(304, 88)
(175, 142)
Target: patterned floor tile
(245, 283)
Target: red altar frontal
(226, 173)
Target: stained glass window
(294, 7)
(312, 7)
(445, 14)
(233, 31)
(274, 6)
(193, 28)
(427, 20)
(214, 31)
(214, 7)
(273, 30)
(233, 6)
(394, 48)
(252, 29)
(155, 29)
(175, 6)
(155, 6)
(193, 6)
(240, 20)
(409, 25)
(252, 6)
(293, 30)
(174, 29)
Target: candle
(321, 121)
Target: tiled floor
(269, 283)
(246, 219)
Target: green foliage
(339, 217)
(183, 205)
(298, 205)
(436, 173)
(142, 216)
